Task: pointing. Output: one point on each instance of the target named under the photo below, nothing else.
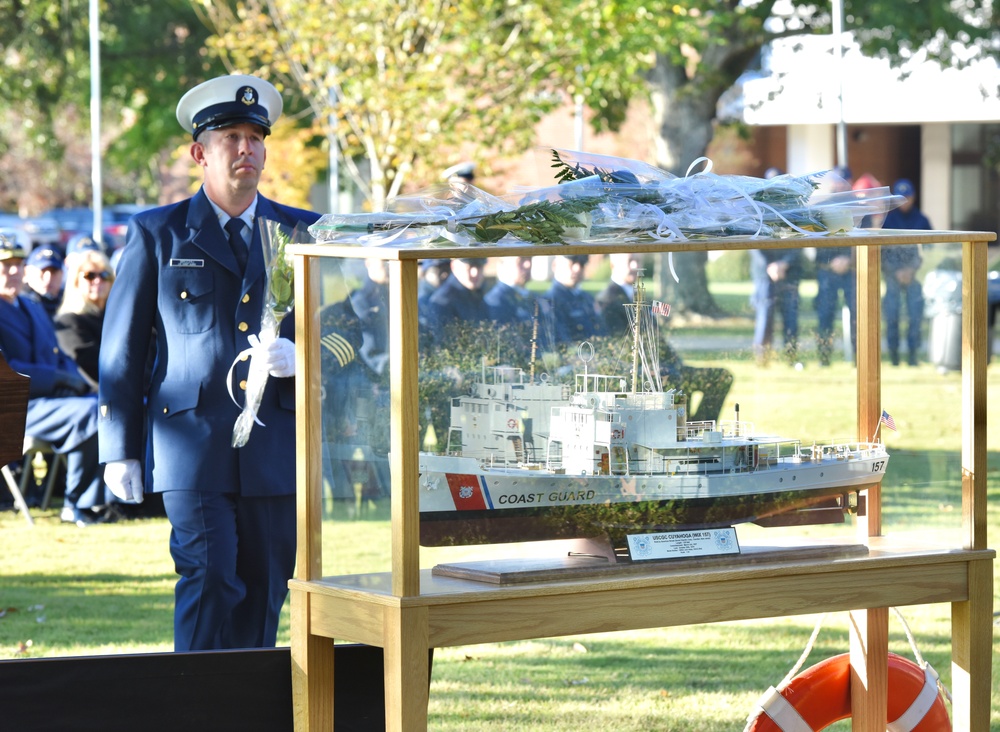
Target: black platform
(245, 690)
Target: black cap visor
(229, 114)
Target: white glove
(124, 478)
(279, 358)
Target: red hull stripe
(467, 492)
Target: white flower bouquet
(279, 300)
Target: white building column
(935, 173)
(810, 148)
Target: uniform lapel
(207, 233)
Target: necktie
(235, 229)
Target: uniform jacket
(453, 301)
(572, 314)
(509, 304)
(178, 285)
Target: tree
(151, 50)
(684, 54)
(406, 82)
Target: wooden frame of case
(407, 611)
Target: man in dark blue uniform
(196, 292)
(459, 298)
(61, 408)
(509, 300)
(572, 312)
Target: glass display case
(502, 465)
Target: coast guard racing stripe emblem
(466, 492)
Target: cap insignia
(249, 96)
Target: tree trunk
(684, 113)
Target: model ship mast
(645, 359)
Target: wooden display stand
(409, 610)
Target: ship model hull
(464, 503)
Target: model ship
(609, 456)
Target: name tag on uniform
(187, 262)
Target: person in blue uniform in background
(509, 300)
(191, 279)
(571, 311)
(835, 275)
(62, 408)
(459, 298)
(776, 274)
(899, 270)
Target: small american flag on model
(661, 308)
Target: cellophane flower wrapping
(607, 198)
(279, 300)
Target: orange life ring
(821, 695)
(511, 423)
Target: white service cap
(229, 100)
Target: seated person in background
(62, 408)
(43, 279)
(80, 317)
(459, 298)
(509, 300)
(572, 314)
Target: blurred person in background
(899, 270)
(80, 317)
(509, 300)
(62, 408)
(464, 172)
(776, 275)
(459, 298)
(620, 291)
(571, 311)
(371, 304)
(84, 242)
(432, 274)
(43, 278)
(836, 275)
